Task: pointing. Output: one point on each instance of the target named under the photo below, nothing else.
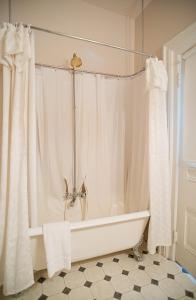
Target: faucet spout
(66, 187)
(74, 195)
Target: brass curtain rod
(89, 41)
(90, 72)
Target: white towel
(57, 243)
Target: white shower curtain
(17, 170)
(136, 143)
(112, 143)
(55, 148)
(159, 165)
(100, 132)
(100, 120)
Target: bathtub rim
(98, 222)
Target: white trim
(190, 212)
(190, 166)
(184, 40)
(179, 120)
(189, 52)
(178, 49)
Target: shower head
(76, 61)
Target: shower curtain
(18, 156)
(112, 134)
(100, 131)
(136, 145)
(100, 119)
(55, 145)
(159, 233)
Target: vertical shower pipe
(142, 31)
(9, 11)
(74, 139)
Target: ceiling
(131, 8)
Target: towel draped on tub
(57, 243)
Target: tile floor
(117, 276)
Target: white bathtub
(95, 237)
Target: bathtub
(97, 237)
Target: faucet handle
(66, 186)
(83, 190)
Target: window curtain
(159, 165)
(18, 156)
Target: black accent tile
(66, 290)
(43, 297)
(115, 259)
(117, 295)
(41, 279)
(62, 274)
(156, 263)
(131, 255)
(171, 276)
(189, 294)
(81, 269)
(125, 272)
(99, 264)
(107, 278)
(154, 281)
(88, 284)
(141, 268)
(137, 288)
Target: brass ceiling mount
(76, 61)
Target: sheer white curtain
(136, 157)
(17, 150)
(100, 143)
(100, 131)
(55, 148)
(159, 164)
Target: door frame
(185, 252)
(174, 54)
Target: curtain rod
(89, 41)
(90, 72)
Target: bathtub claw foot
(138, 250)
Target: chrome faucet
(74, 195)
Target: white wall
(163, 19)
(77, 18)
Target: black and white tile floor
(115, 277)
